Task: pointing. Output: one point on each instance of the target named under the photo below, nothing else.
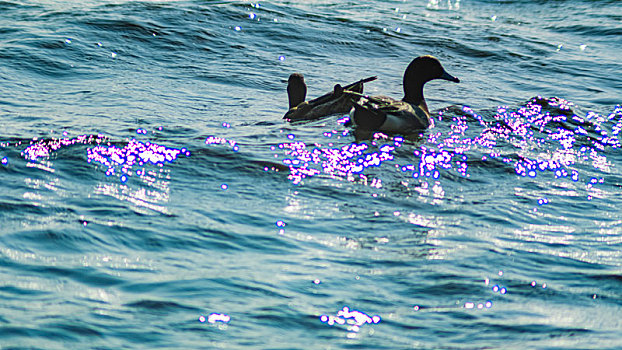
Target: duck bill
(447, 76)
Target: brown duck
(334, 102)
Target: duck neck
(295, 98)
(296, 93)
(414, 96)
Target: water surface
(152, 196)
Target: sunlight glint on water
(152, 196)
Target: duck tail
(353, 95)
(358, 86)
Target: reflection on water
(141, 197)
(353, 320)
(444, 5)
(276, 226)
(144, 160)
(43, 148)
(346, 162)
(544, 136)
(136, 159)
(121, 161)
(215, 317)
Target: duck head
(296, 89)
(421, 70)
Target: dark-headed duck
(334, 102)
(382, 113)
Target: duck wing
(376, 104)
(384, 113)
(370, 112)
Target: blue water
(152, 196)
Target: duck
(410, 114)
(334, 102)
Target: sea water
(152, 196)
